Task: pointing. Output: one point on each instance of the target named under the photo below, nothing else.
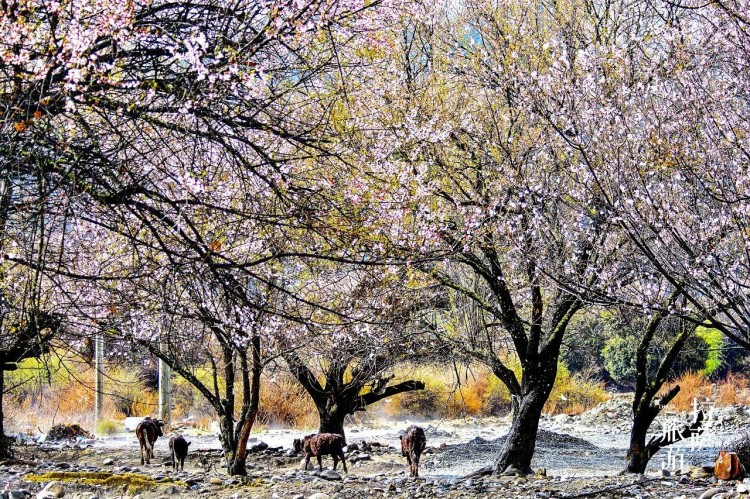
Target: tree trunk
(638, 455)
(251, 394)
(331, 422)
(237, 466)
(226, 433)
(640, 452)
(518, 449)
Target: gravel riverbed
(579, 457)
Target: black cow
(178, 446)
(413, 443)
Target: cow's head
(297, 445)
(159, 425)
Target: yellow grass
(476, 391)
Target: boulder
(51, 490)
(728, 467)
(330, 475)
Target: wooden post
(165, 394)
(99, 377)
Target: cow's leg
(307, 460)
(335, 457)
(320, 462)
(343, 460)
(142, 460)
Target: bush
(733, 391)
(429, 402)
(692, 386)
(574, 393)
(108, 427)
(583, 344)
(619, 358)
(620, 352)
(129, 393)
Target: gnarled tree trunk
(337, 399)
(518, 448)
(646, 405)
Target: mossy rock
(132, 483)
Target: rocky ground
(576, 456)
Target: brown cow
(413, 443)
(147, 432)
(321, 445)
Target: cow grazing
(413, 443)
(321, 445)
(178, 446)
(147, 432)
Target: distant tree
(348, 367)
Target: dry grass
(733, 391)
(283, 402)
(480, 393)
(695, 386)
(574, 394)
(451, 392)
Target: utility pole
(99, 376)
(165, 394)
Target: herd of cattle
(413, 442)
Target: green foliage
(583, 345)
(715, 342)
(620, 350)
(619, 358)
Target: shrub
(481, 393)
(129, 393)
(574, 394)
(619, 358)
(108, 427)
(583, 344)
(620, 352)
(429, 402)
